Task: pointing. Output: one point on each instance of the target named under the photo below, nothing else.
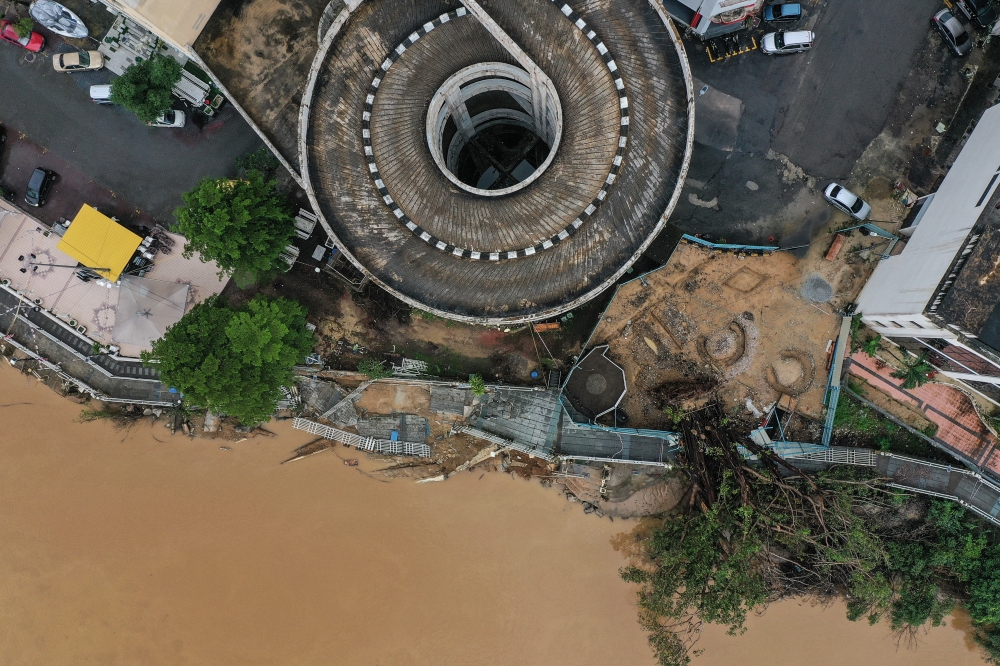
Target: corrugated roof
(98, 242)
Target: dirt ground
(910, 147)
(262, 51)
(759, 326)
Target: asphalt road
(104, 155)
(820, 109)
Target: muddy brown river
(126, 548)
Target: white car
(847, 201)
(781, 42)
(169, 119)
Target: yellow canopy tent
(99, 243)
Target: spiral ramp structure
(502, 161)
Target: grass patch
(857, 424)
(426, 316)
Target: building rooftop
(973, 301)
(596, 384)
(177, 21)
(949, 216)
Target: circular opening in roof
(490, 131)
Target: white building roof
(176, 21)
(905, 284)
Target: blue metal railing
(728, 247)
(878, 232)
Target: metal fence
(382, 446)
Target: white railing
(841, 455)
(382, 446)
(505, 443)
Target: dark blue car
(784, 13)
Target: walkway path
(969, 489)
(109, 378)
(960, 429)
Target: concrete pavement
(819, 109)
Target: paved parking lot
(820, 109)
(103, 154)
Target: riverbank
(125, 547)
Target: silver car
(795, 41)
(847, 201)
(953, 32)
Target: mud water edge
(140, 548)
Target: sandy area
(757, 325)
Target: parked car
(953, 32)
(78, 61)
(101, 94)
(39, 186)
(171, 118)
(781, 42)
(980, 12)
(33, 42)
(847, 201)
(787, 12)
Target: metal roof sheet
(98, 242)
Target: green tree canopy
(145, 87)
(916, 371)
(477, 385)
(234, 361)
(242, 225)
(763, 531)
(23, 27)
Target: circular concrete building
(497, 162)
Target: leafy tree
(23, 27)
(916, 371)
(477, 385)
(234, 361)
(984, 590)
(761, 532)
(374, 369)
(989, 639)
(262, 160)
(872, 346)
(242, 225)
(146, 86)
(855, 330)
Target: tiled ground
(959, 427)
(60, 291)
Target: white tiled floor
(66, 295)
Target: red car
(33, 42)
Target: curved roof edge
(314, 70)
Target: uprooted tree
(146, 87)
(234, 360)
(756, 532)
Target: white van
(101, 94)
